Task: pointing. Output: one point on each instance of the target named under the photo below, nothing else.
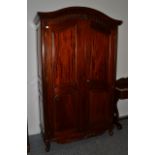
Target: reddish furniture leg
(121, 92)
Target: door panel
(98, 98)
(99, 109)
(97, 56)
(64, 75)
(65, 71)
(65, 112)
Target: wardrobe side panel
(40, 89)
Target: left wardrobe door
(62, 79)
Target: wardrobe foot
(119, 126)
(47, 147)
(110, 132)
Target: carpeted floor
(100, 145)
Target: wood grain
(77, 50)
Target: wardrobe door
(97, 86)
(64, 79)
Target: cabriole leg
(47, 146)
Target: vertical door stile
(53, 56)
(75, 61)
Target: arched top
(78, 12)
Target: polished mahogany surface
(77, 49)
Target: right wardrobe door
(99, 61)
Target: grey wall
(115, 8)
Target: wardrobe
(76, 52)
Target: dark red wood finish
(77, 67)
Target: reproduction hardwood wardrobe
(77, 49)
